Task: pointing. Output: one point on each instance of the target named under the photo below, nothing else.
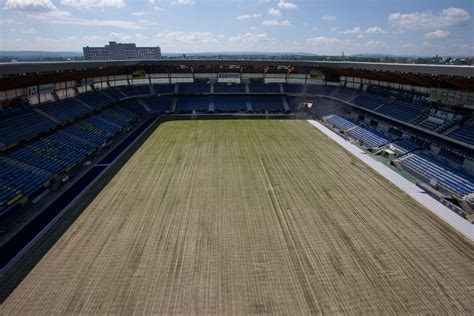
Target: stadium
(207, 186)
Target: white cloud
(137, 13)
(276, 23)
(158, 8)
(30, 5)
(120, 36)
(375, 30)
(183, 2)
(286, 5)
(354, 30)
(274, 12)
(328, 18)
(248, 16)
(322, 40)
(87, 4)
(187, 37)
(437, 34)
(429, 20)
(360, 36)
(250, 38)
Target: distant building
(120, 51)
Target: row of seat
(369, 138)
(66, 110)
(95, 99)
(399, 110)
(464, 134)
(452, 180)
(17, 184)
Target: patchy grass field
(250, 217)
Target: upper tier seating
(463, 133)
(319, 89)
(230, 103)
(190, 103)
(159, 104)
(400, 111)
(134, 106)
(345, 94)
(163, 88)
(94, 99)
(293, 88)
(135, 90)
(18, 183)
(22, 126)
(267, 103)
(450, 179)
(196, 87)
(114, 93)
(264, 87)
(66, 110)
(58, 152)
(368, 101)
(231, 88)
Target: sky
(325, 27)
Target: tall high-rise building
(121, 51)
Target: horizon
(325, 28)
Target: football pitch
(250, 216)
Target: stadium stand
(339, 122)
(264, 88)
(65, 111)
(196, 87)
(293, 88)
(404, 146)
(94, 99)
(368, 101)
(464, 134)
(58, 152)
(400, 110)
(94, 130)
(158, 104)
(134, 106)
(17, 184)
(319, 89)
(230, 103)
(186, 104)
(22, 126)
(368, 138)
(229, 88)
(344, 93)
(294, 102)
(114, 93)
(135, 90)
(163, 88)
(267, 103)
(454, 181)
(117, 116)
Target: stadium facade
(121, 51)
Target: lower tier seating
(66, 110)
(449, 179)
(267, 103)
(370, 139)
(18, 183)
(159, 105)
(186, 104)
(134, 106)
(58, 152)
(93, 130)
(230, 103)
(339, 122)
(230, 88)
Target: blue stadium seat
(114, 93)
(452, 180)
(464, 134)
(294, 102)
(25, 125)
(159, 104)
(368, 101)
(17, 183)
(196, 87)
(94, 130)
(293, 88)
(135, 90)
(229, 88)
(230, 103)
(185, 104)
(58, 152)
(319, 89)
(66, 110)
(339, 122)
(264, 87)
(163, 88)
(94, 99)
(134, 106)
(261, 103)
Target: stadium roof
(446, 76)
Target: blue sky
(421, 27)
